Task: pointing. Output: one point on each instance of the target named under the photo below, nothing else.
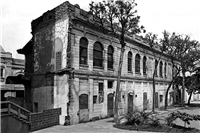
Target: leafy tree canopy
(117, 16)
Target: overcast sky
(181, 16)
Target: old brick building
(71, 64)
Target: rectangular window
(101, 93)
(58, 60)
(110, 84)
(94, 99)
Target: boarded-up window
(58, 60)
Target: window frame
(161, 69)
(137, 63)
(165, 70)
(130, 60)
(156, 68)
(83, 46)
(110, 58)
(96, 57)
(144, 65)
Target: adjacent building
(11, 67)
(71, 64)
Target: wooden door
(130, 102)
(145, 102)
(110, 105)
(83, 108)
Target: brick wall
(44, 119)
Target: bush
(154, 122)
(137, 118)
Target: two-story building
(73, 65)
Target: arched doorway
(83, 108)
(110, 105)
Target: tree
(157, 50)
(118, 18)
(183, 49)
(168, 41)
(193, 84)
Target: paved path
(106, 125)
(100, 126)
(195, 124)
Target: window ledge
(83, 65)
(96, 67)
(137, 73)
(110, 69)
(144, 74)
(130, 72)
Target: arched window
(165, 70)
(83, 51)
(110, 57)
(144, 65)
(161, 69)
(129, 61)
(98, 54)
(137, 63)
(156, 65)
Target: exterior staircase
(14, 119)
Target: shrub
(154, 122)
(137, 118)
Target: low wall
(44, 119)
(13, 125)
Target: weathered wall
(48, 41)
(43, 92)
(45, 46)
(61, 95)
(13, 125)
